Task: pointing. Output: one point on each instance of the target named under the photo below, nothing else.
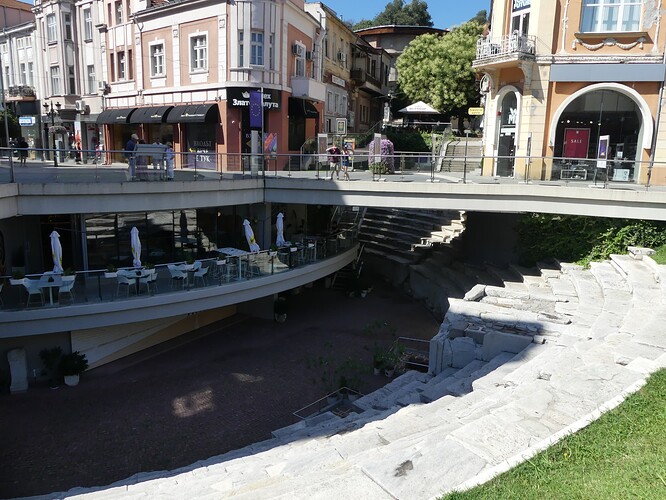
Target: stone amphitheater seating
(512, 370)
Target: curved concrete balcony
(98, 302)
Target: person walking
(346, 160)
(169, 157)
(23, 151)
(130, 156)
(334, 160)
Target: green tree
(363, 23)
(13, 125)
(481, 17)
(397, 12)
(438, 69)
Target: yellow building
(573, 90)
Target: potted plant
(72, 366)
(68, 275)
(393, 358)
(378, 360)
(18, 277)
(111, 271)
(51, 360)
(273, 250)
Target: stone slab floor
(218, 389)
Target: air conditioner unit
(308, 55)
(80, 106)
(297, 50)
(103, 87)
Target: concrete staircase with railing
(515, 366)
(453, 160)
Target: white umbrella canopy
(56, 252)
(249, 235)
(419, 108)
(279, 224)
(136, 246)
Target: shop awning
(115, 116)
(197, 113)
(301, 107)
(150, 115)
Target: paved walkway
(215, 390)
(521, 366)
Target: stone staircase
(454, 158)
(400, 234)
(515, 366)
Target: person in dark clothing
(129, 155)
(23, 151)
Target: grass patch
(660, 256)
(621, 455)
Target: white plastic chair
(150, 280)
(33, 289)
(66, 288)
(125, 281)
(177, 276)
(201, 274)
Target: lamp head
(57, 105)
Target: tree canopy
(438, 69)
(397, 12)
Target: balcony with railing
(20, 93)
(508, 48)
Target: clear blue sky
(444, 13)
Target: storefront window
(586, 119)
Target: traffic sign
(475, 111)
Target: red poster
(576, 142)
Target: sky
(444, 13)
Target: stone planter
(111, 275)
(16, 281)
(72, 380)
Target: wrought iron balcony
(21, 91)
(508, 47)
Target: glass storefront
(166, 236)
(588, 118)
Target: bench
(151, 153)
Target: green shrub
(378, 168)
(583, 239)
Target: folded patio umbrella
(249, 235)
(56, 252)
(279, 224)
(136, 246)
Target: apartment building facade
(578, 82)
(184, 73)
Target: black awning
(115, 116)
(301, 107)
(150, 115)
(27, 108)
(195, 113)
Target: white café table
(236, 253)
(56, 282)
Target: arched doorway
(591, 115)
(507, 118)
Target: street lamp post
(52, 113)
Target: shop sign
(240, 98)
(26, 121)
(338, 81)
(521, 4)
